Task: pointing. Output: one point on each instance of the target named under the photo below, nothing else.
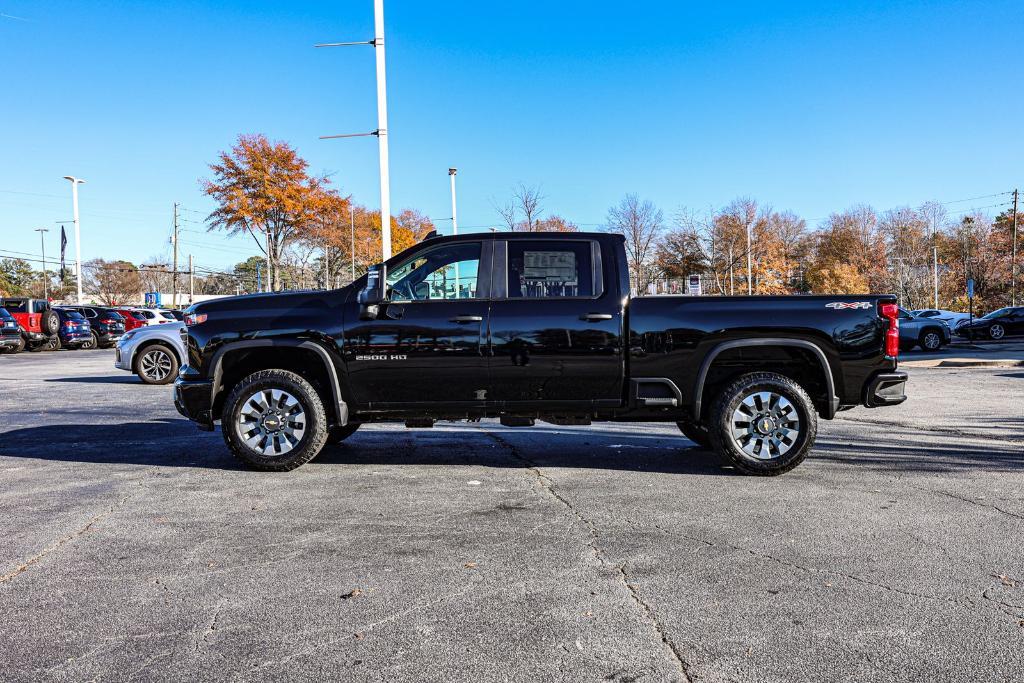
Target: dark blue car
(74, 331)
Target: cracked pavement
(135, 549)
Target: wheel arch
(310, 360)
(829, 403)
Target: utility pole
(174, 274)
(455, 225)
(1013, 257)
(42, 244)
(327, 255)
(191, 281)
(270, 270)
(75, 182)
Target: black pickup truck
(525, 327)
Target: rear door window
(546, 270)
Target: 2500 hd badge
(384, 356)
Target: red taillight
(107, 321)
(68, 323)
(891, 312)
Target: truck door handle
(467, 319)
(594, 317)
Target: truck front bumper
(192, 399)
(886, 389)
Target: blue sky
(803, 106)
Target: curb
(965, 363)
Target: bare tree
(112, 282)
(522, 213)
(640, 222)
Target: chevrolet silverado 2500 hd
(525, 327)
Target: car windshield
(74, 315)
(998, 313)
(114, 315)
(17, 306)
(4, 315)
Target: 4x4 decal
(844, 305)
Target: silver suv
(154, 352)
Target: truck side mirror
(372, 295)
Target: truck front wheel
(274, 420)
(763, 424)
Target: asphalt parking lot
(133, 547)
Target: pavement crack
(972, 501)
(593, 543)
(63, 540)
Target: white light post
(42, 244)
(75, 182)
(382, 122)
(382, 128)
(455, 221)
(352, 222)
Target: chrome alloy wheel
(997, 331)
(932, 341)
(156, 364)
(271, 422)
(765, 425)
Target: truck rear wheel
(763, 424)
(274, 420)
(695, 433)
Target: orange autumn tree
(263, 188)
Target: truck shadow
(169, 442)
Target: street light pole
(382, 128)
(42, 244)
(75, 182)
(455, 221)
(352, 222)
(750, 281)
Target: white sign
(693, 285)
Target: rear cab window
(547, 270)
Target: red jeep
(39, 323)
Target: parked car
(154, 316)
(132, 319)
(537, 326)
(39, 324)
(75, 331)
(11, 340)
(107, 325)
(1005, 322)
(174, 313)
(154, 352)
(951, 318)
(928, 333)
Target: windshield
(998, 313)
(4, 315)
(74, 315)
(114, 315)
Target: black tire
(722, 418)
(336, 435)
(52, 344)
(49, 323)
(695, 433)
(93, 343)
(314, 423)
(156, 364)
(930, 339)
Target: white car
(155, 316)
(951, 318)
(154, 353)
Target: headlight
(126, 336)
